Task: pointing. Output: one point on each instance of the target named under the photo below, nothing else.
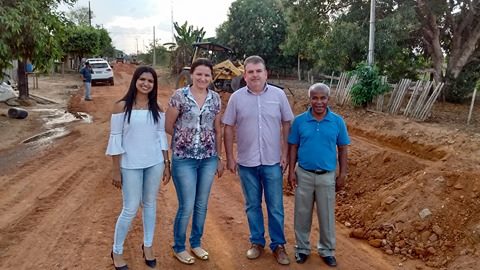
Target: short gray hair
(254, 59)
(319, 87)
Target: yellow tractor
(227, 73)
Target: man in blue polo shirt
(317, 137)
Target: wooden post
(429, 104)
(331, 79)
(298, 68)
(471, 105)
(413, 99)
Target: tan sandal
(184, 257)
(200, 253)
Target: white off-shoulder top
(140, 142)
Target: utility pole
(371, 39)
(154, 48)
(137, 44)
(89, 15)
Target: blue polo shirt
(86, 73)
(318, 140)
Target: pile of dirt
(412, 208)
(123, 68)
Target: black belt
(315, 171)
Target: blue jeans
(88, 87)
(138, 185)
(193, 180)
(266, 179)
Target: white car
(102, 71)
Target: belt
(315, 171)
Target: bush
(368, 86)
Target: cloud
(136, 23)
(129, 21)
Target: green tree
(409, 35)
(84, 41)
(185, 35)
(105, 47)
(255, 27)
(451, 34)
(335, 34)
(79, 16)
(162, 55)
(30, 30)
(305, 29)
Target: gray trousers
(319, 189)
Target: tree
(334, 34)
(79, 16)
(305, 29)
(82, 41)
(162, 55)
(30, 30)
(85, 41)
(451, 34)
(105, 47)
(185, 35)
(255, 27)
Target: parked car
(102, 71)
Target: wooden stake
(413, 99)
(471, 106)
(392, 96)
(429, 104)
(331, 79)
(421, 100)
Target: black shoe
(301, 257)
(149, 263)
(330, 261)
(123, 267)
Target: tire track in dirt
(42, 205)
(53, 199)
(21, 185)
(24, 165)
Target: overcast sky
(130, 20)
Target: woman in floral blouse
(193, 120)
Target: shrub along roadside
(368, 86)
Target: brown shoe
(281, 255)
(255, 251)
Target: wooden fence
(412, 99)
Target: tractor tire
(184, 79)
(237, 83)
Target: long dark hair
(131, 94)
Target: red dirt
(58, 207)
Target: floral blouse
(194, 130)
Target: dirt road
(58, 208)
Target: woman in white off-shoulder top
(139, 149)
